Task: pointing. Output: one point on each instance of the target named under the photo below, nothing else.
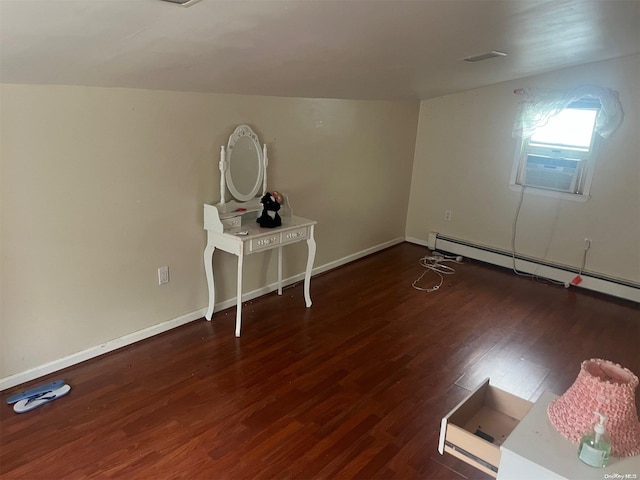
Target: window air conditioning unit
(549, 173)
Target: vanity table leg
(279, 270)
(208, 270)
(239, 297)
(311, 244)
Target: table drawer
(474, 430)
(295, 235)
(261, 243)
(231, 222)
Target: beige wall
(100, 187)
(463, 159)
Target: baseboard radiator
(560, 273)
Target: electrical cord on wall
(514, 230)
(435, 263)
(578, 279)
(587, 246)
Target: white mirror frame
(225, 163)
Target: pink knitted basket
(605, 387)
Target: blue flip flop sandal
(32, 392)
(34, 402)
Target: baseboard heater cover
(561, 273)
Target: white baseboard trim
(356, 256)
(300, 277)
(560, 273)
(89, 353)
(129, 339)
(418, 241)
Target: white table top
(537, 442)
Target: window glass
(571, 128)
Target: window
(559, 137)
(559, 156)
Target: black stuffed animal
(269, 217)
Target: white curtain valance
(539, 105)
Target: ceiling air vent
(485, 56)
(183, 3)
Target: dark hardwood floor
(353, 387)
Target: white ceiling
(359, 49)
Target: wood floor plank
(353, 387)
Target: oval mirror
(246, 169)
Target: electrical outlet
(447, 215)
(163, 275)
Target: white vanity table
(231, 225)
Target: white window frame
(585, 162)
